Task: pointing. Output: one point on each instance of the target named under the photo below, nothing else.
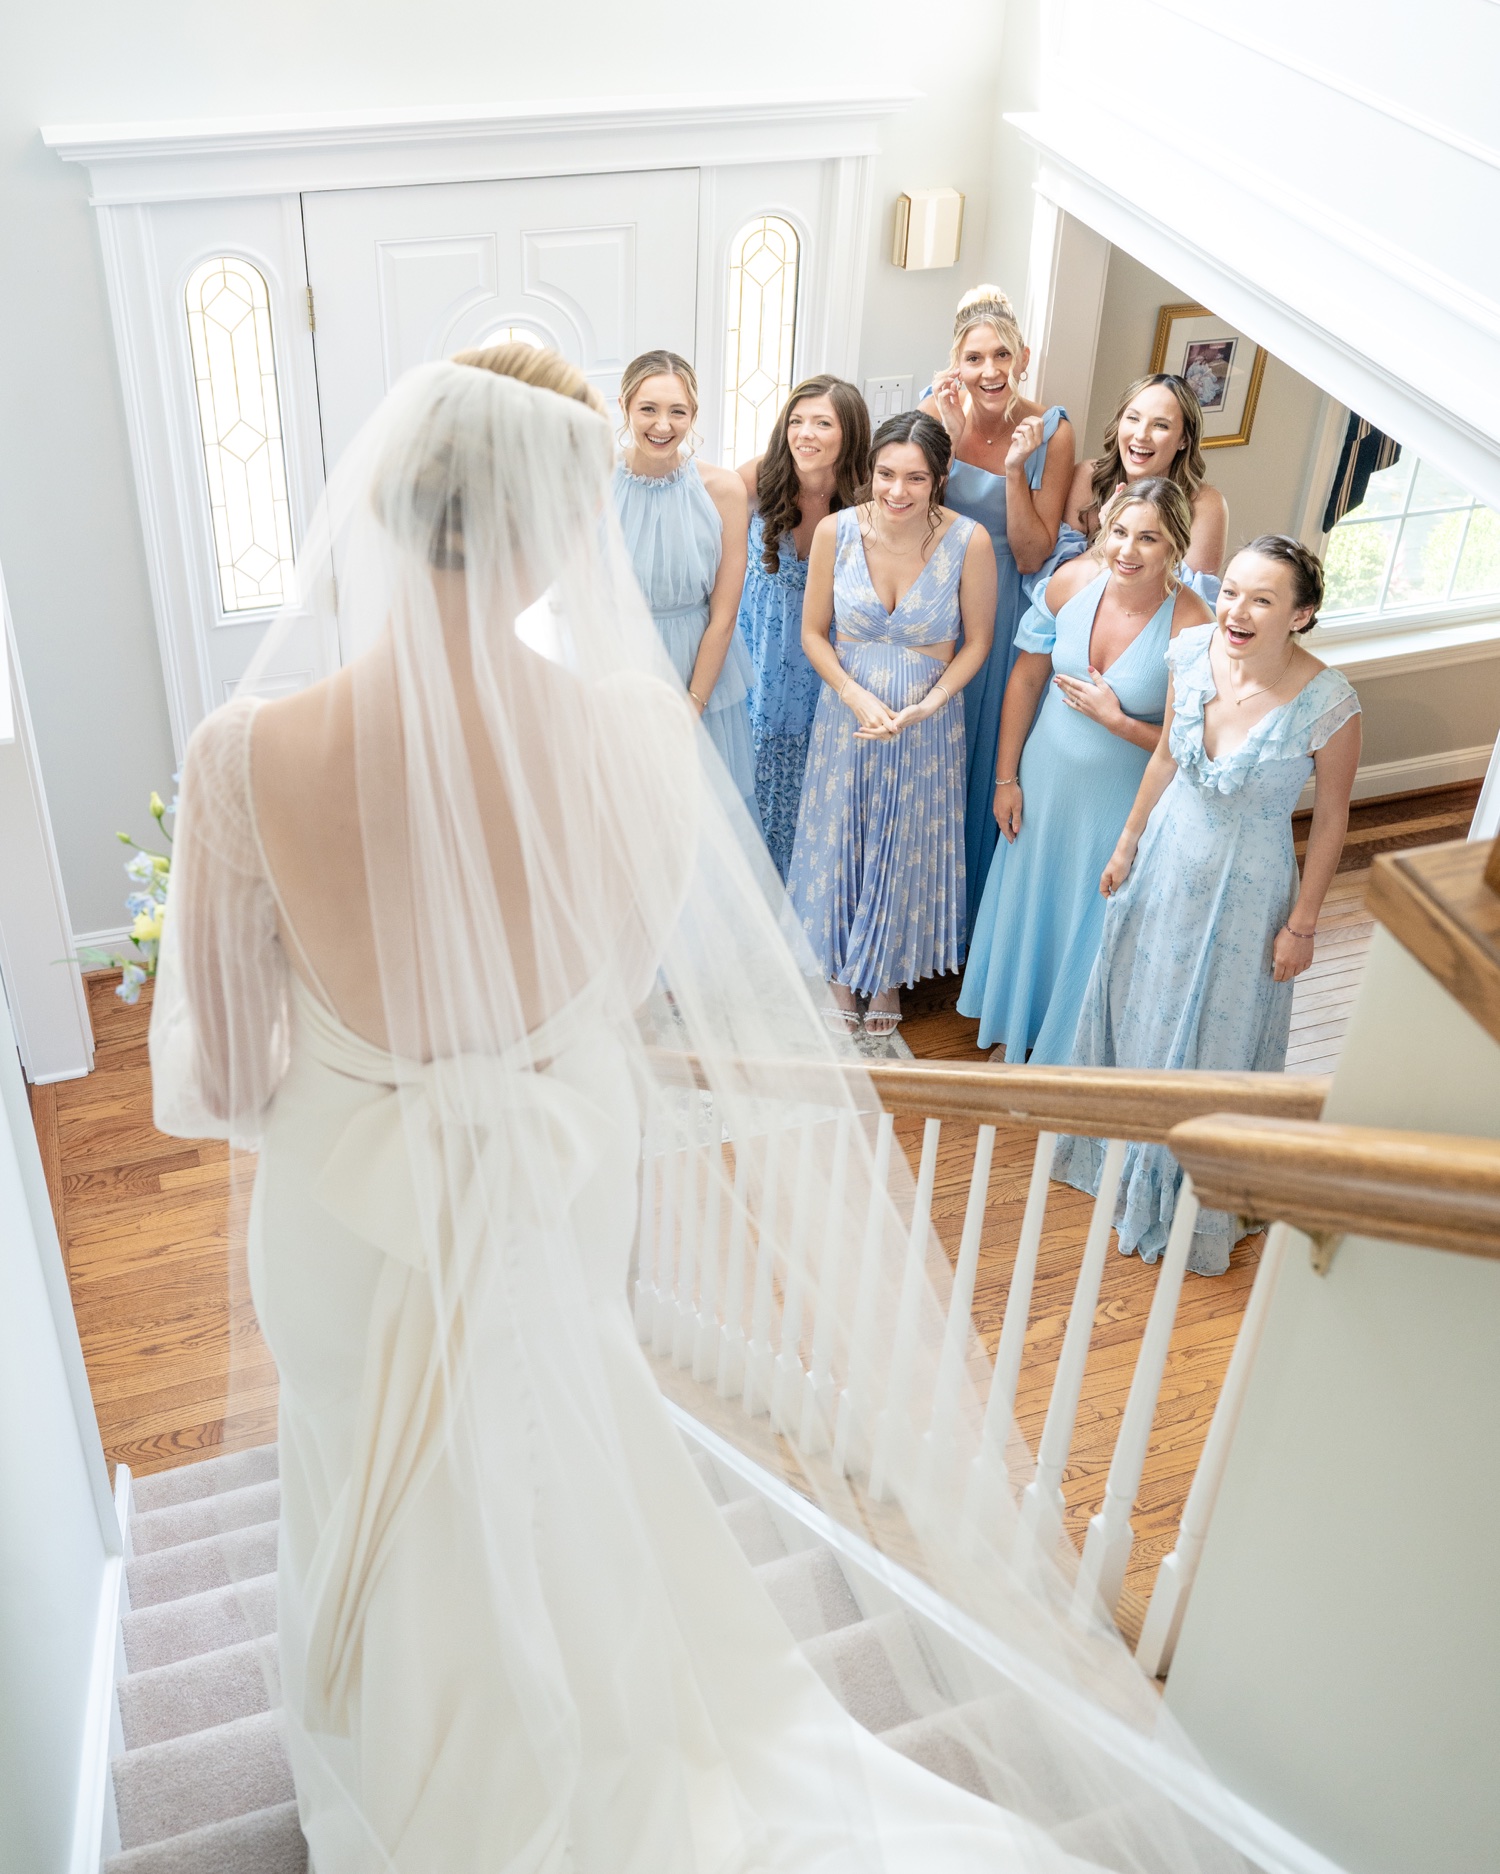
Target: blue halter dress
(676, 540)
(877, 874)
(783, 689)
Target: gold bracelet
(697, 698)
(947, 693)
(846, 683)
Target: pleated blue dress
(877, 873)
(1183, 975)
(783, 687)
(1037, 933)
(676, 540)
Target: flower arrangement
(151, 874)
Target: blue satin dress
(676, 540)
(1037, 933)
(783, 690)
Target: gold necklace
(1291, 653)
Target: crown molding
(196, 159)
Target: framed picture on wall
(1222, 367)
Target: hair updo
(989, 305)
(1171, 507)
(1306, 569)
(537, 366)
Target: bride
(418, 909)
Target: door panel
(597, 267)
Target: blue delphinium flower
(142, 866)
(131, 979)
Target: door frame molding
(148, 179)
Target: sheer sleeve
(219, 1021)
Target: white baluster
(759, 1353)
(789, 1374)
(1174, 1581)
(685, 1320)
(706, 1344)
(1106, 1549)
(665, 1317)
(938, 1441)
(817, 1394)
(731, 1373)
(1042, 1504)
(855, 1404)
(645, 1244)
(893, 1427)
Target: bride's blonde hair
(535, 365)
(990, 305)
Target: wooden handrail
(1099, 1102)
(1437, 1190)
(1442, 903)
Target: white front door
(597, 267)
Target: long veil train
(513, 1633)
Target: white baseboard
(1415, 772)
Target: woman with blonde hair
(685, 525)
(1096, 644)
(814, 465)
(1012, 465)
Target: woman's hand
(1094, 698)
(948, 395)
(938, 697)
(1290, 955)
(875, 721)
(1118, 869)
(1008, 808)
(1025, 439)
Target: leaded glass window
(763, 261)
(239, 419)
(1419, 539)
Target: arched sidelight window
(763, 264)
(239, 419)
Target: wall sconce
(929, 227)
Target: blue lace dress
(1037, 933)
(1183, 977)
(877, 874)
(783, 687)
(675, 539)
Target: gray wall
(69, 527)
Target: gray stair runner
(203, 1785)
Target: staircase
(203, 1785)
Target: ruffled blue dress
(1037, 933)
(1183, 976)
(980, 495)
(676, 540)
(877, 873)
(783, 687)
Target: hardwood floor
(144, 1222)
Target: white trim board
(1413, 773)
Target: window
(239, 419)
(1418, 541)
(763, 261)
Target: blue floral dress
(676, 540)
(783, 688)
(1183, 977)
(1034, 942)
(877, 874)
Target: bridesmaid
(1207, 922)
(1102, 666)
(1157, 432)
(1012, 465)
(812, 467)
(685, 529)
(877, 874)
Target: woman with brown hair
(813, 466)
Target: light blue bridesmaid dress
(676, 540)
(981, 496)
(1183, 976)
(1037, 932)
(783, 687)
(877, 874)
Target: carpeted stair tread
(199, 1623)
(177, 1523)
(811, 1592)
(198, 1693)
(878, 1671)
(269, 1841)
(205, 1479)
(208, 1776)
(209, 1562)
(754, 1528)
(937, 1743)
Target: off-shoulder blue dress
(1037, 933)
(1183, 976)
(877, 874)
(783, 687)
(676, 540)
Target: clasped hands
(877, 722)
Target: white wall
(69, 530)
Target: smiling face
(986, 364)
(660, 416)
(1257, 607)
(814, 435)
(1137, 548)
(902, 483)
(1151, 433)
